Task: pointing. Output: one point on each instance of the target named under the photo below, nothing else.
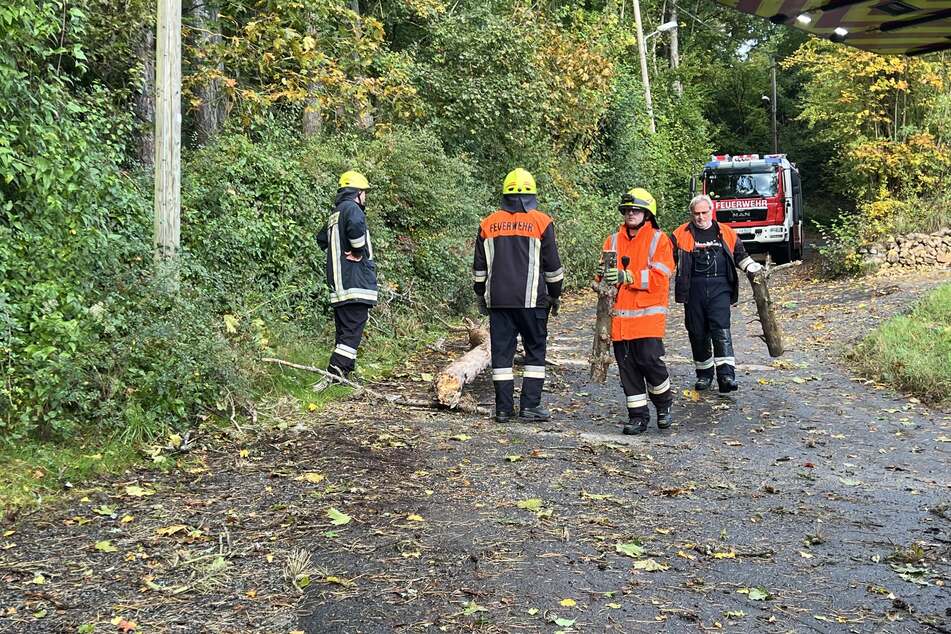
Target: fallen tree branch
(395, 400)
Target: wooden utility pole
(168, 134)
(772, 68)
(642, 51)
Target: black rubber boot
(703, 383)
(504, 417)
(727, 384)
(635, 426)
(723, 347)
(664, 418)
(537, 413)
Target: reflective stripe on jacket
(684, 243)
(640, 310)
(516, 262)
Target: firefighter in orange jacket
(708, 254)
(646, 262)
(517, 277)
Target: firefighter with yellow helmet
(517, 277)
(351, 270)
(645, 263)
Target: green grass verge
(34, 472)
(913, 352)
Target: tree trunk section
(772, 334)
(209, 116)
(312, 121)
(675, 49)
(454, 377)
(601, 357)
(144, 98)
(362, 107)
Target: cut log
(601, 357)
(772, 334)
(454, 377)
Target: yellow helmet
(639, 198)
(353, 179)
(519, 181)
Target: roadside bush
(913, 352)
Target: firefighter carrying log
(351, 271)
(645, 263)
(517, 276)
(708, 254)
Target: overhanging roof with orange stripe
(905, 27)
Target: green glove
(626, 277)
(610, 276)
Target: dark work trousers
(505, 324)
(643, 373)
(349, 320)
(707, 317)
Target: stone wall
(912, 250)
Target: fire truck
(761, 198)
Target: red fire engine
(761, 198)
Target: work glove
(611, 275)
(626, 277)
(554, 306)
(754, 268)
(483, 307)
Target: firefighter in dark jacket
(517, 277)
(707, 255)
(640, 309)
(351, 271)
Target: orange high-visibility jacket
(640, 310)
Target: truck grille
(740, 215)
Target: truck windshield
(724, 184)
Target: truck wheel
(781, 253)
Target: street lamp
(663, 28)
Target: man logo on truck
(761, 198)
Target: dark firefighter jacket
(516, 262)
(684, 244)
(346, 232)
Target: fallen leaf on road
(649, 565)
(337, 518)
(631, 550)
(533, 504)
(472, 607)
